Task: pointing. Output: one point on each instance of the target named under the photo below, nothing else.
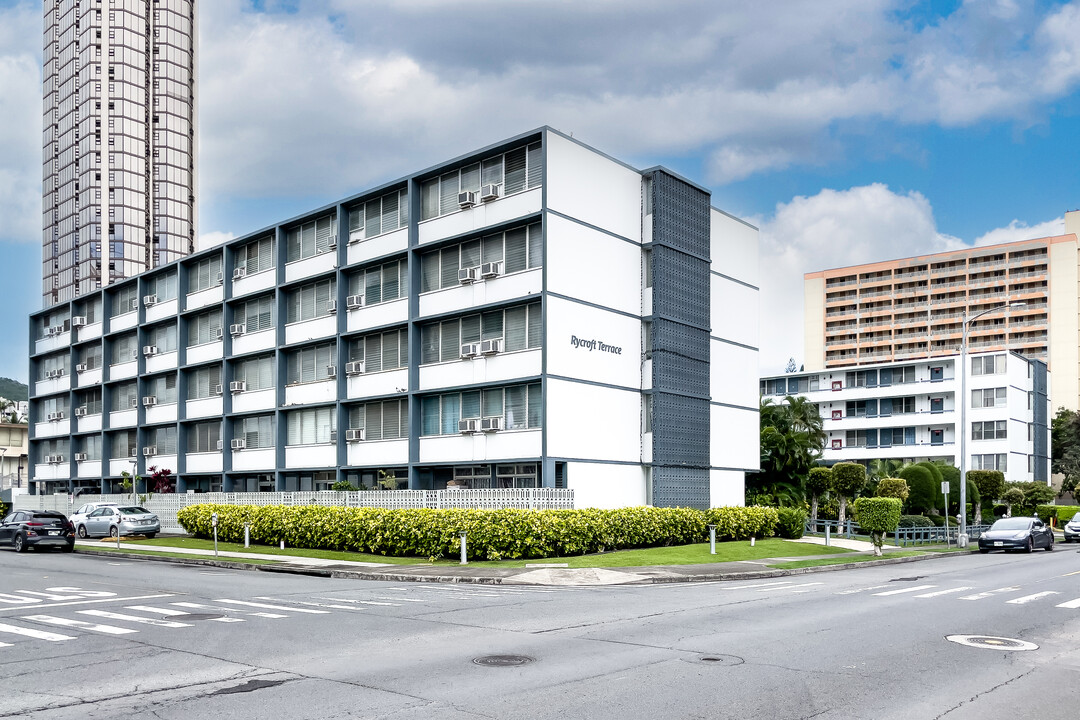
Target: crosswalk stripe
(988, 593)
(367, 602)
(197, 606)
(865, 589)
(312, 604)
(3, 644)
(1071, 604)
(943, 592)
(901, 591)
(792, 587)
(274, 607)
(758, 585)
(79, 624)
(161, 611)
(36, 634)
(133, 618)
(1029, 598)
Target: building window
(204, 437)
(311, 427)
(126, 299)
(988, 365)
(91, 400)
(520, 169)
(163, 439)
(124, 396)
(988, 398)
(519, 406)
(125, 349)
(989, 462)
(519, 249)
(204, 328)
(311, 364)
(257, 256)
(988, 430)
(257, 431)
(381, 283)
(163, 286)
(123, 445)
(311, 238)
(163, 337)
(381, 351)
(519, 328)
(53, 364)
(386, 420)
(204, 382)
(517, 476)
(256, 314)
(163, 388)
(256, 373)
(91, 445)
(381, 215)
(204, 274)
(310, 301)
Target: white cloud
(20, 124)
(1018, 230)
(210, 239)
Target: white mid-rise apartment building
(910, 411)
(531, 314)
(119, 140)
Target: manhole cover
(502, 660)
(989, 642)
(910, 579)
(197, 616)
(717, 660)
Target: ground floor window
(517, 476)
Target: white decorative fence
(166, 505)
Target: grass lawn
(679, 555)
(839, 561)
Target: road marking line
(901, 591)
(274, 607)
(159, 610)
(3, 644)
(988, 593)
(133, 618)
(859, 590)
(1071, 604)
(792, 587)
(89, 602)
(1029, 598)
(51, 596)
(68, 622)
(197, 606)
(1072, 573)
(398, 599)
(312, 604)
(943, 592)
(757, 585)
(367, 602)
(36, 634)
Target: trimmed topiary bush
(893, 487)
(991, 483)
(792, 523)
(878, 515)
(910, 521)
(848, 479)
(920, 488)
(818, 482)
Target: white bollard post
(752, 539)
(826, 535)
(464, 555)
(247, 535)
(215, 541)
(282, 544)
(712, 539)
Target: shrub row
(492, 534)
(792, 523)
(1063, 513)
(3, 509)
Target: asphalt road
(89, 637)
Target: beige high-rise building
(915, 307)
(120, 140)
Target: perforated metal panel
(1040, 419)
(680, 352)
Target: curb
(315, 571)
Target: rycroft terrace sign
(594, 344)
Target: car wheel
(114, 531)
(984, 550)
(150, 536)
(82, 531)
(20, 544)
(1030, 544)
(1050, 546)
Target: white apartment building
(120, 141)
(909, 411)
(531, 314)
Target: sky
(848, 131)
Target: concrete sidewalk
(541, 574)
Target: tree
(792, 439)
(920, 483)
(879, 469)
(1065, 448)
(936, 477)
(818, 482)
(991, 484)
(848, 479)
(1012, 496)
(878, 515)
(893, 488)
(162, 480)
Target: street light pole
(961, 538)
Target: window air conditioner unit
(220, 444)
(149, 300)
(149, 451)
(237, 329)
(50, 374)
(354, 435)
(78, 321)
(470, 350)
(81, 367)
(239, 273)
(237, 386)
(238, 443)
(218, 334)
(470, 425)
(134, 353)
(331, 371)
(50, 331)
(491, 269)
(134, 452)
(468, 275)
(149, 401)
(354, 302)
(333, 242)
(220, 276)
(333, 436)
(149, 350)
(80, 411)
(491, 347)
(134, 402)
(134, 305)
(60, 372)
(492, 424)
(489, 192)
(216, 390)
(466, 199)
(79, 457)
(354, 368)
(331, 306)
(54, 416)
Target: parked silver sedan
(78, 518)
(123, 520)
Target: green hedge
(492, 534)
(1063, 513)
(910, 521)
(3, 509)
(792, 523)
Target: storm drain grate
(989, 642)
(503, 660)
(718, 660)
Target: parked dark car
(1072, 528)
(1017, 533)
(24, 529)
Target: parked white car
(78, 518)
(123, 520)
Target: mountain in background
(13, 390)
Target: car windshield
(1076, 518)
(1011, 524)
(134, 510)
